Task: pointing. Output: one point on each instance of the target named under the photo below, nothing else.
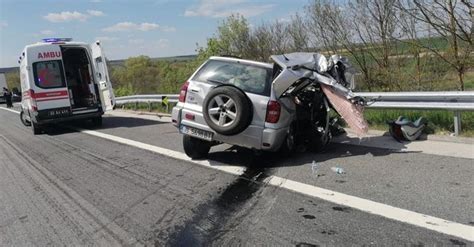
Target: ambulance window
(100, 68)
(49, 74)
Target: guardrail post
(149, 106)
(136, 106)
(457, 123)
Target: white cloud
(3, 24)
(284, 19)
(106, 38)
(224, 8)
(96, 1)
(168, 29)
(163, 43)
(95, 13)
(46, 32)
(130, 26)
(136, 41)
(147, 26)
(66, 16)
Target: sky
(156, 28)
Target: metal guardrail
(455, 101)
(451, 101)
(146, 98)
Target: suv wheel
(195, 148)
(227, 110)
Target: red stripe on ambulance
(50, 94)
(54, 95)
(49, 99)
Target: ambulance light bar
(54, 40)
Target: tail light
(32, 95)
(183, 92)
(273, 112)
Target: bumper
(65, 119)
(176, 116)
(254, 137)
(272, 139)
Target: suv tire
(227, 110)
(195, 148)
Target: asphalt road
(66, 187)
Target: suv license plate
(202, 134)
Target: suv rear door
(253, 79)
(102, 77)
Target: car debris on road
(338, 170)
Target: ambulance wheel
(36, 129)
(97, 121)
(23, 119)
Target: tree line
(396, 45)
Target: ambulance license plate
(58, 113)
(201, 134)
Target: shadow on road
(111, 122)
(242, 157)
(108, 123)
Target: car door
(102, 77)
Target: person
(8, 97)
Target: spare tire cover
(227, 110)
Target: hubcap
(222, 110)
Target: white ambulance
(63, 80)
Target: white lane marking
(421, 220)
(236, 170)
(10, 110)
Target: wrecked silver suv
(279, 106)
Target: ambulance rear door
(48, 90)
(102, 77)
